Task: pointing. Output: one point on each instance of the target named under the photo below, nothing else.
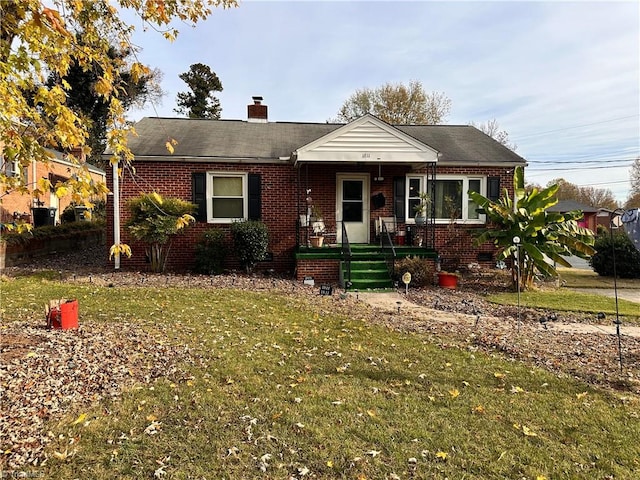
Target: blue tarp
(631, 221)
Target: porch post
(298, 211)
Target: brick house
(20, 206)
(356, 174)
(589, 214)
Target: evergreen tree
(200, 102)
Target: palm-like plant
(546, 238)
(155, 220)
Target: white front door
(352, 207)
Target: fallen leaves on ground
(50, 372)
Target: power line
(568, 162)
(604, 183)
(617, 182)
(578, 126)
(575, 168)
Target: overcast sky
(562, 78)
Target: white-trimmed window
(227, 197)
(451, 200)
(11, 169)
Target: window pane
(413, 197)
(352, 211)
(352, 190)
(474, 186)
(227, 208)
(414, 187)
(413, 203)
(448, 199)
(227, 186)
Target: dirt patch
(14, 346)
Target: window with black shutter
(493, 188)
(224, 197)
(199, 193)
(255, 196)
(398, 198)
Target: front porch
(353, 190)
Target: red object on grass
(64, 316)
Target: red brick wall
(283, 199)
(322, 271)
(22, 203)
(174, 180)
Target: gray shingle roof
(570, 205)
(241, 139)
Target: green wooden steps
(368, 269)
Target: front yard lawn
(272, 384)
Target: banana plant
(545, 238)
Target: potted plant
(317, 238)
(420, 210)
(315, 213)
(448, 279)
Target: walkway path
(391, 301)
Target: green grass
(579, 278)
(286, 386)
(565, 299)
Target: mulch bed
(45, 374)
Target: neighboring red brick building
(18, 206)
(354, 173)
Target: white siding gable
(367, 140)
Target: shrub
(601, 230)
(98, 213)
(211, 251)
(251, 240)
(627, 257)
(68, 215)
(48, 231)
(421, 270)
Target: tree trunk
(157, 257)
(11, 16)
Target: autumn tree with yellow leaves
(40, 38)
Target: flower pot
(448, 280)
(316, 241)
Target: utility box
(82, 213)
(62, 314)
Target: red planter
(448, 280)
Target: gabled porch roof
(367, 140)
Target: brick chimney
(78, 153)
(257, 112)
